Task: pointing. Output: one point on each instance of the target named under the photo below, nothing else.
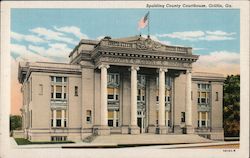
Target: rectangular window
(113, 94)
(65, 92)
(110, 123)
(40, 89)
(113, 78)
(203, 97)
(183, 117)
(76, 91)
(59, 118)
(217, 96)
(58, 92)
(203, 123)
(58, 79)
(88, 116)
(58, 138)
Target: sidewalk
(151, 141)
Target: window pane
(58, 79)
(58, 122)
(203, 100)
(139, 91)
(58, 95)
(52, 89)
(203, 123)
(203, 86)
(138, 98)
(110, 123)
(65, 79)
(110, 96)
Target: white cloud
(56, 50)
(220, 33)
(195, 49)
(53, 35)
(28, 38)
(200, 35)
(216, 38)
(220, 61)
(100, 37)
(73, 30)
(187, 35)
(23, 54)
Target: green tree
(231, 109)
(15, 122)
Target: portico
(142, 57)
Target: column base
(189, 129)
(125, 129)
(101, 130)
(134, 130)
(151, 129)
(178, 129)
(161, 130)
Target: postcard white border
(7, 151)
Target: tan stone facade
(120, 86)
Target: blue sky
(50, 34)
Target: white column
(62, 96)
(206, 118)
(104, 103)
(188, 99)
(133, 121)
(142, 123)
(166, 118)
(62, 120)
(200, 117)
(162, 88)
(54, 93)
(114, 119)
(54, 118)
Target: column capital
(188, 71)
(103, 66)
(162, 69)
(134, 67)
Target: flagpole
(148, 23)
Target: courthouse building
(128, 85)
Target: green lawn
(22, 141)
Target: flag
(143, 22)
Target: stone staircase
(90, 138)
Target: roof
(208, 76)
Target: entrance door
(139, 123)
